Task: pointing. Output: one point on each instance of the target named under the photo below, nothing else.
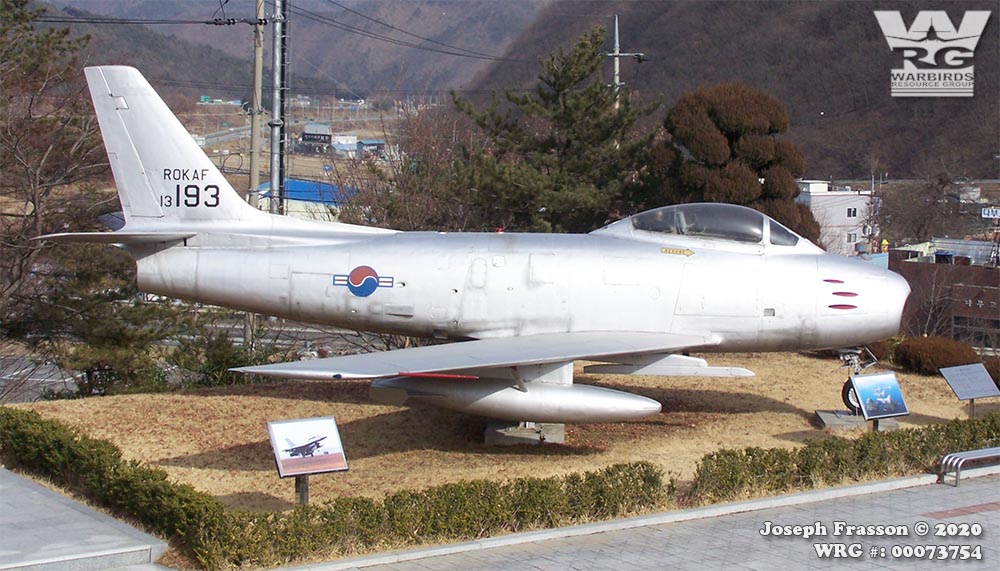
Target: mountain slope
(355, 44)
(828, 62)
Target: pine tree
(723, 146)
(86, 313)
(48, 139)
(560, 156)
(75, 304)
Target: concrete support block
(499, 433)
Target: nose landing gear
(858, 359)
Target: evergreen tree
(48, 140)
(723, 146)
(86, 313)
(76, 304)
(560, 157)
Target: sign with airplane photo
(307, 446)
(879, 395)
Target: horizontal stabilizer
(114, 220)
(481, 354)
(117, 237)
(667, 366)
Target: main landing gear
(858, 359)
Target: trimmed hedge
(925, 355)
(95, 469)
(222, 539)
(452, 512)
(882, 350)
(993, 367)
(733, 474)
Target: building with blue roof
(370, 147)
(310, 198)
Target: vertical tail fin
(164, 179)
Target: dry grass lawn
(216, 439)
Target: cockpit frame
(710, 221)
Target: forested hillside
(827, 61)
(171, 64)
(355, 45)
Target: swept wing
(485, 354)
(513, 378)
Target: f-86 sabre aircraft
(632, 296)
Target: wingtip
(283, 371)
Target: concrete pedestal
(844, 420)
(500, 433)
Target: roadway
(233, 134)
(243, 132)
(26, 379)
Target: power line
(333, 23)
(221, 8)
(143, 21)
(329, 77)
(309, 89)
(103, 20)
(446, 49)
(412, 35)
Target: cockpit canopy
(713, 221)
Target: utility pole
(256, 110)
(617, 54)
(256, 107)
(279, 68)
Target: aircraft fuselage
(459, 286)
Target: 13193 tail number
(191, 196)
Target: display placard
(307, 446)
(879, 395)
(970, 381)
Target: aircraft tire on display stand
(857, 359)
(850, 398)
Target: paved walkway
(730, 536)
(41, 530)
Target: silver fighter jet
(634, 296)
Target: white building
(842, 213)
(345, 145)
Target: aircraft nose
(870, 298)
(894, 295)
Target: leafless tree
(931, 303)
(917, 213)
(25, 377)
(414, 186)
(48, 143)
(14, 376)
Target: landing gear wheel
(850, 398)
